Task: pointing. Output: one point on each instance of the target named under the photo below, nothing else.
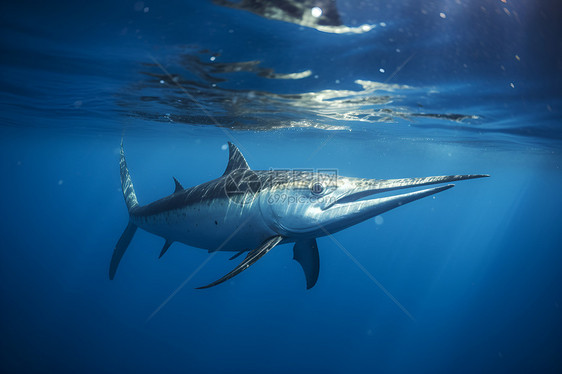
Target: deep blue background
(478, 267)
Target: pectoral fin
(306, 253)
(250, 259)
(236, 255)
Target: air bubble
(316, 12)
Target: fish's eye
(317, 188)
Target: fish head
(304, 204)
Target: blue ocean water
(467, 281)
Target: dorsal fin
(179, 187)
(235, 159)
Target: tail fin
(131, 201)
(120, 248)
(127, 183)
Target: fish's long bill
(357, 211)
(375, 186)
(395, 184)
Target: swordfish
(253, 211)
